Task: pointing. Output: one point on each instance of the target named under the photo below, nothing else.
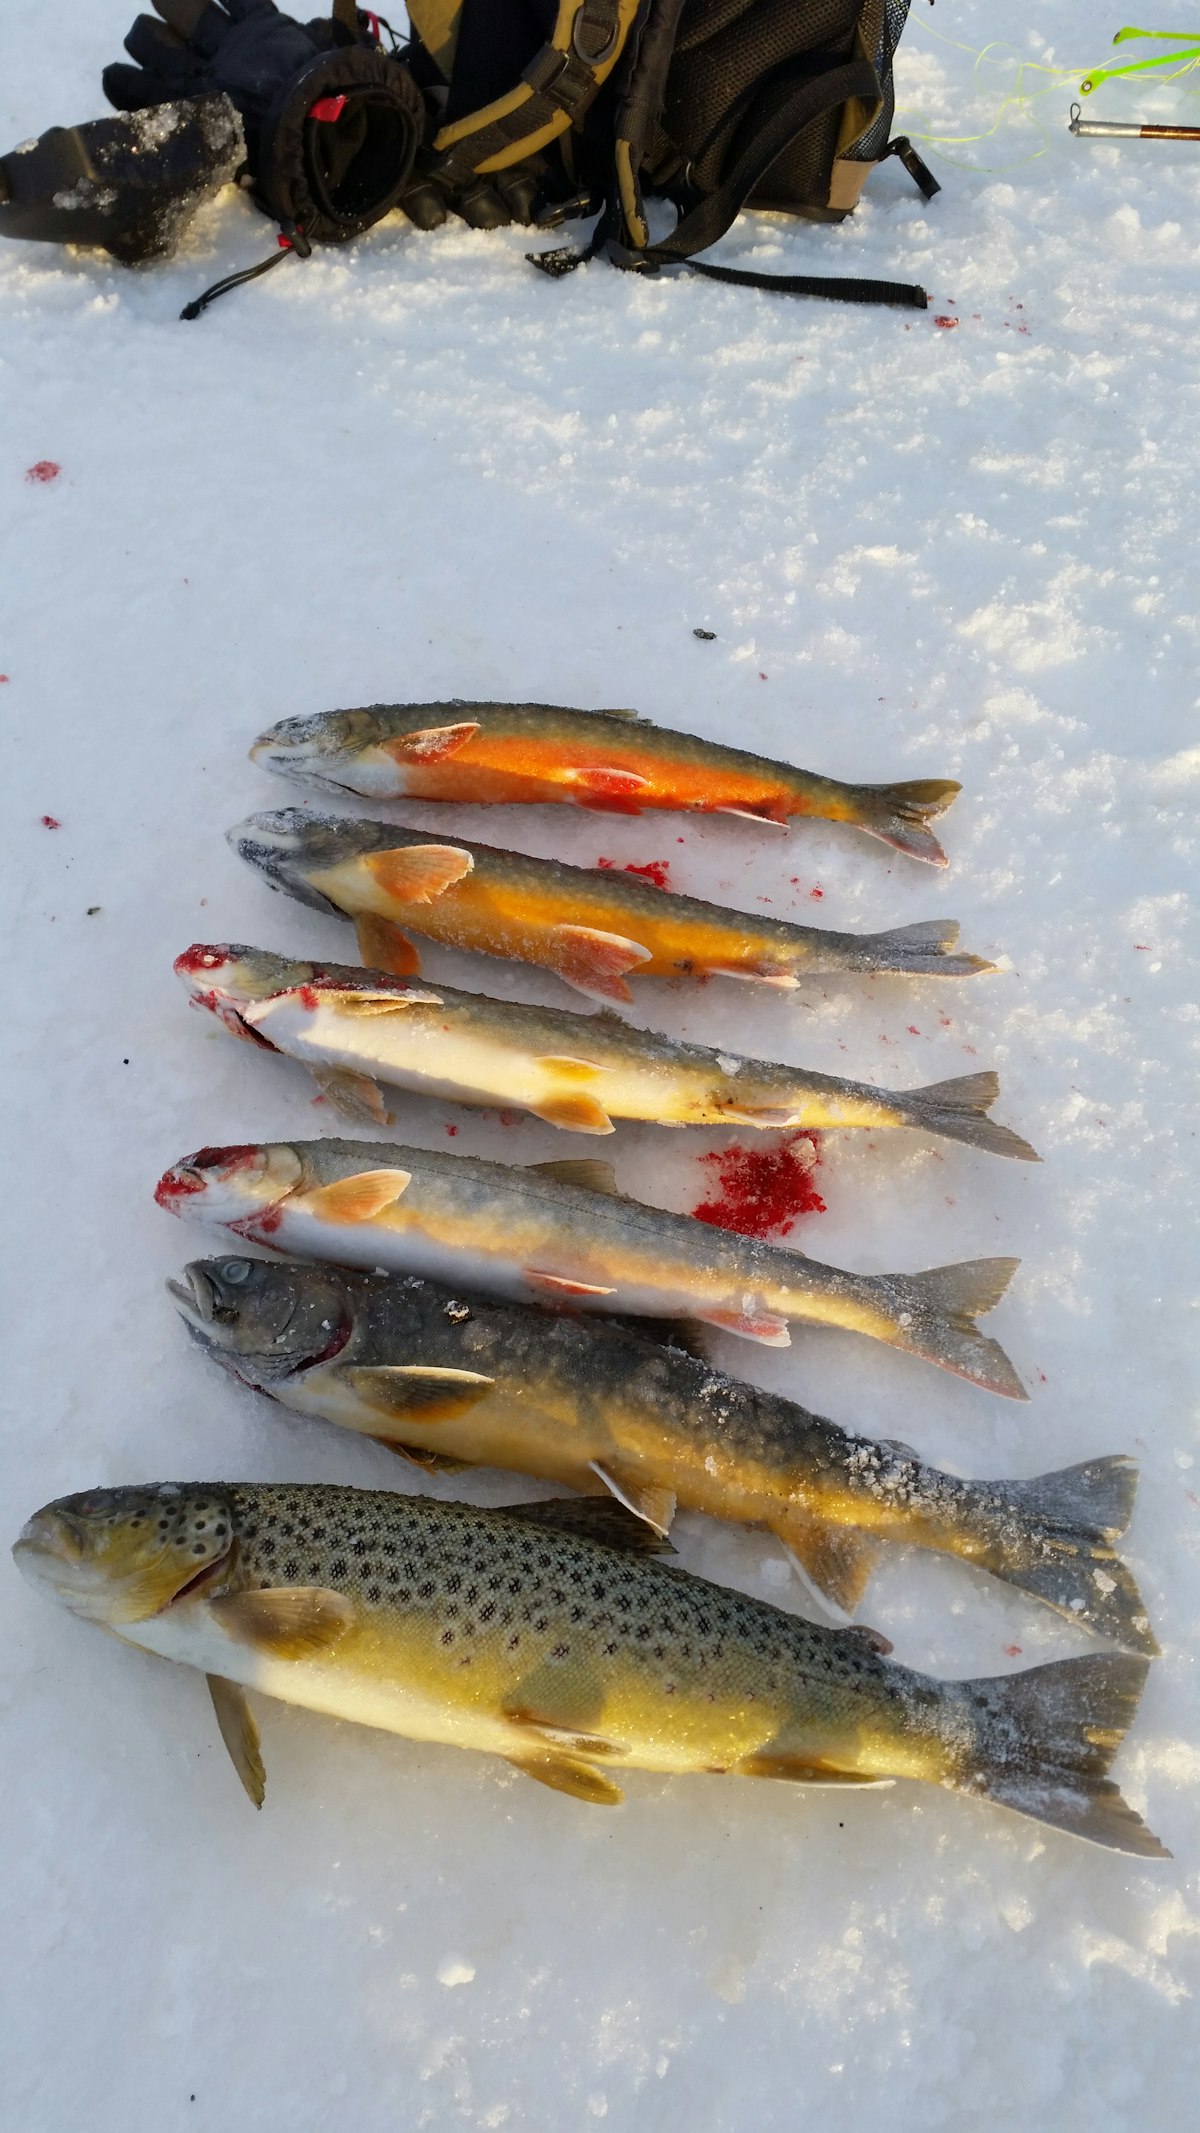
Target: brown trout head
(264, 1320)
(121, 1555)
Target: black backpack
(552, 108)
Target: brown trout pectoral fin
(284, 1621)
(354, 1096)
(577, 1113)
(595, 962)
(607, 791)
(239, 1731)
(590, 1172)
(359, 1198)
(410, 1392)
(797, 1771)
(655, 1505)
(563, 1774)
(765, 1327)
(597, 1518)
(558, 1285)
(836, 1561)
(383, 946)
(432, 744)
(418, 873)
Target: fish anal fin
(799, 1770)
(418, 873)
(836, 1561)
(383, 946)
(359, 1198)
(430, 744)
(239, 1731)
(563, 1773)
(605, 1519)
(765, 1326)
(284, 1621)
(590, 1172)
(412, 1392)
(354, 1096)
(595, 962)
(560, 1285)
(644, 1498)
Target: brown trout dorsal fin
(595, 962)
(596, 1518)
(430, 744)
(590, 1172)
(353, 1096)
(418, 873)
(564, 1774)
(574, 1113)
(800, 1770)
(416, 1392)
(356, 1199)
(385, 946)
(239, 1731)
(284, 1621)
(655, 1505)
(836, 1561)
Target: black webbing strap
(844, 289)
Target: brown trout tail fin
(923, 950)
(1041, 1743)
(957, 1111)
(1055, 1541)
(933, 1315)
(900, 814)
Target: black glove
(332, 123)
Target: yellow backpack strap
(553, 93)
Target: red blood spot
(452, 1130)
(762, 1191)
(4, 677)
(942, 320)
(509, 1118)
(655, 870)
(606, 863)
(51, 822)
(1042, 1375)
(242, 1156)
(263, 1223)
(1014, 1650)
(762, 677)
(308, 997)
(1143, 947)
(43, 470)
(198, 957)
(913, 1031)
(816, 892)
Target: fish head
(290, 846)
(236, 1185)
(226, 979)
(331, 748)
(120, 1555)
(264, 1319)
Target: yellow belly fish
(547, 1635)
(593, 927)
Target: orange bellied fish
(593, 927)
(562, 1231)
(613, 761)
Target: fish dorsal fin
(418, 873)
(239, 1731)
(597, 1518)
(835, 1561)
(359, 1198)
(590, 1172)
(563, 1774)
(431, 744)
(284, 1621)
(415, 1392)
(383, 946)
(643, 1498)
(616, 711)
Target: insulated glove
(332, 123)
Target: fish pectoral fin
(356, 1199)
(431, 744)
(606, 789)
(418, 873)
(574, 1114)
(416, 1455)
(647, 1501)
(353, 1096)
(411, 1392)
(284, 1621)
(594, 962)
(798, 1770)
(239, 1731)
(383, 946)
(590, 1172)
(836, 1561)
(571, 1740)
(564, 1774)
(766, 1327)
(605, 1519)
(361, 1006)
(559, 1285)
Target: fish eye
(236, 1270)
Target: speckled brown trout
(517, 1633)
(355, 1028)
(593, 927)
(613, 761)
(440, 1373)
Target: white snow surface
(415, 469)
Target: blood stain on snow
(913, 1031)
(942, 320)
(655, 870)
(762, 1192)
(816, 892)
(43, 470)
(51, 822)
(452, 1130)
(5, 677)
(1014, 1650)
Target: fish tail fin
(1055, 1536)
(933, 1315)
(915, 951)
(1041, 1742)
(957, 1111)
(901, 814)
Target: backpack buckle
(594, 59)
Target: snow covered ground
(414, 470)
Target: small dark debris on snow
(92, 909)
(705, 636)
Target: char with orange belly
(612, 761)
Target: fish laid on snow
(575, 1658)
(613, 761)
(356, 1028)
(442, 1374)
(592, 926)
(562, 1231)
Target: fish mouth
(280, 846)
(197, 1301)
(210, 1167)
(51, 1552)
